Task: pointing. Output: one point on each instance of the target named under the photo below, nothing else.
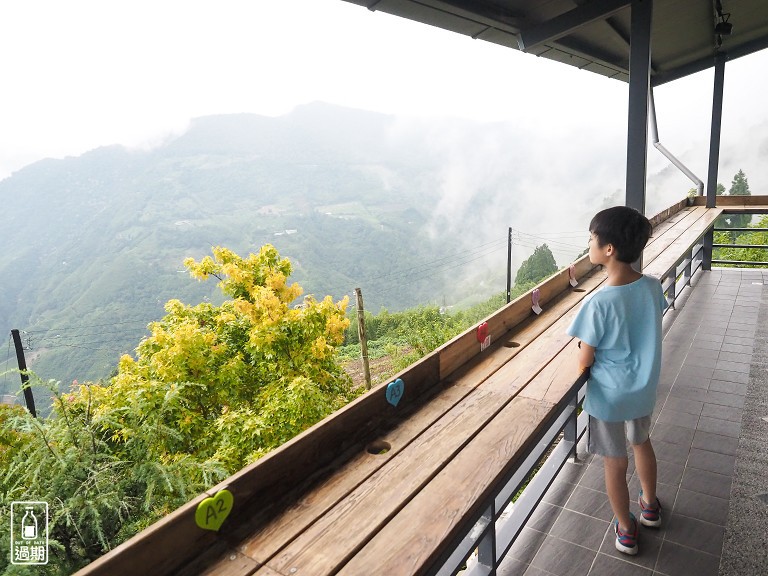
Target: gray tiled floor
(708, 349)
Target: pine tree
(537, 267)
(739, 187)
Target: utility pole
(509, 266)
(23, 371)
(361, 334)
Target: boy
(619, 332)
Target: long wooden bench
(383, 488)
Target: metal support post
(639, 90)
(706, 251)
(672, 291)
(714, 136)
(687, 272)
(486, 548)
(571, 430)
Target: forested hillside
(94, 245)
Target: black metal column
(639, 86)
(714, 136)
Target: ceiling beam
(708, 62)
(567, 22)
(478, 11)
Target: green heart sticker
(212, 512)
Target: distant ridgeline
(95, 243)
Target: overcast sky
(81, 74)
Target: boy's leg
(618, 493)
(645, 463)
(609, 440)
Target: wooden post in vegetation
(363, 340)
(509, 266)
(23, 370)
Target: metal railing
(495, 530)
(679, 276)
(761, 263)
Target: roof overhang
(595, 35)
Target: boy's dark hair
(624, 227)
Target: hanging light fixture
(723, 27)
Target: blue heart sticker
(395, 391)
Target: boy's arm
(586, 355)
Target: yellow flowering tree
(211, 389)
(246, 375)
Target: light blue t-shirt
(623, 324)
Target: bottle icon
(29, 525)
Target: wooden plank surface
(453, 496)
(741, 203)
(552, 383)
(682, 244)
(221, 561)
(665, 234)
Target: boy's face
(598, 254)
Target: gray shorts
(610, 438)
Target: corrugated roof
(595, 35)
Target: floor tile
(705, 358)
(558, 493)
(722, 412)
(701, 507)
(671, 433)
(512, 567)
(527, 545)
(717, 426)
(705, 482)
(688, 392)
(590, 502)
(669, 473)
(684, 405)
(676, 560)
(562, 558)
(733, 400)
(609, 566)
(738, 341)
(682, 419)
(691, 381)
(711, 461)
(696, 371)
(728, 387)
(729, 376)
(544, 516)
(594, 478)
(739, 357)
(740, 367)
(715, 442)
(702, 344)
(533, 571)
(579, 529)
(729, 347)
(669, 452)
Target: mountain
(94, 245)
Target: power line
(90, 326)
